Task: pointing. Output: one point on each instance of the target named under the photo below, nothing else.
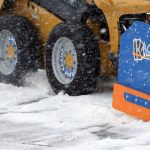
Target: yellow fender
(113, 9)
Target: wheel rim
(64, 60)
(8, 52)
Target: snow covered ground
(33, 118)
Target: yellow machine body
(114, 9)
(45, 21)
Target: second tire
(72, 60)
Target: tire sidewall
(79, 39)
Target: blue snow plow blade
(132, 92)
(134, 58)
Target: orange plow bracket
(132, 102)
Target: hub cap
(8, 52)
(64, 60)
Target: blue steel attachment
(134, 58)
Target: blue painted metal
(134, 58)
(137, 100)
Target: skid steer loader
(76, 41)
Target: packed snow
(34, 118)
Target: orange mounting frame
(120, 103)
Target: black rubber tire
(27, 45)
(88, 59)
(8, 4)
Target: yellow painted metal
(69, 60)
(1, 3)
(113, 9)
(10, 51)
